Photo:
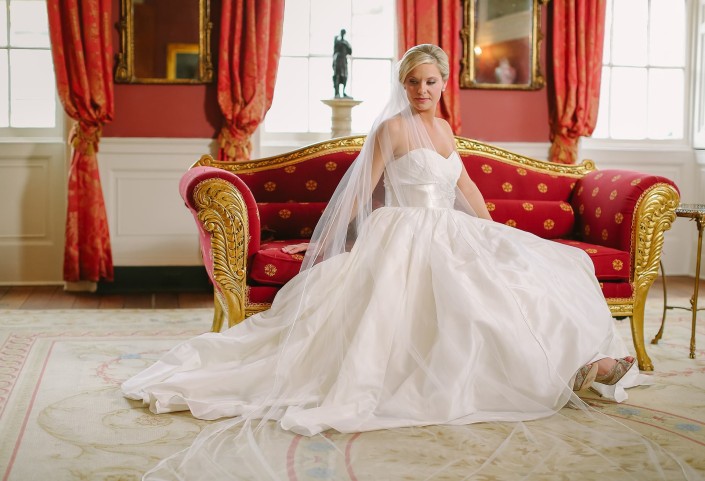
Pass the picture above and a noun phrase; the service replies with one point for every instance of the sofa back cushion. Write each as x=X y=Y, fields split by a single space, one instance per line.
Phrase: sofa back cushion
x=292 y=197
x=289 y=220
x=314 y=180
x=549 y=219
x=499 y=180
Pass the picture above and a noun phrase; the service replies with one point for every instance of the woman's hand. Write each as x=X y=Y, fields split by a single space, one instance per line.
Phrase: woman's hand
x=295 y=248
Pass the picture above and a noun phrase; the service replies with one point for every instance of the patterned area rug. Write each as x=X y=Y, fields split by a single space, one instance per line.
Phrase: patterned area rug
x=62 y=416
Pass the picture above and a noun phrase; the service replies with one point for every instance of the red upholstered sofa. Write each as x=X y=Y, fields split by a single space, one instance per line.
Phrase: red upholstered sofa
x=247 y=211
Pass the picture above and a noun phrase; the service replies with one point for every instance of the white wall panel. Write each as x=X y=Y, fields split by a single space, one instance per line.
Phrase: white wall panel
x=535 y=150
x=149 y=225
x=32 y=213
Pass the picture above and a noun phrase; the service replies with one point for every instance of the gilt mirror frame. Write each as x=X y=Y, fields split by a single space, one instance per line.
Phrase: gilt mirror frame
x=125 y=59
x=471 y=77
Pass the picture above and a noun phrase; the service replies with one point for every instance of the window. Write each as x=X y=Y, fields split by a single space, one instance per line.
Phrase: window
x=643 y=88
x=28 y=102
x=305 y=75
x=699 y=109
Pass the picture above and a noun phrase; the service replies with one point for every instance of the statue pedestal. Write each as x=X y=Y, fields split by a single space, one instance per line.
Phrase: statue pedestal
x=341 y=119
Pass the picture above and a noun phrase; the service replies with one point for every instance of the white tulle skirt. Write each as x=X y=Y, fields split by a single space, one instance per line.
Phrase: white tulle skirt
x=434 y=317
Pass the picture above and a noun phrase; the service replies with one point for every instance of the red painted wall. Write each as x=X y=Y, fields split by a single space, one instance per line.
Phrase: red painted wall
x=143 y=110
x=508 y=115
x=192 y=110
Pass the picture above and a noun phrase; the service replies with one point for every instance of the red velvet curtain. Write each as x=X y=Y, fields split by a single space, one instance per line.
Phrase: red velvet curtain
x=250 y=43
x=436 y=22
x=578 y=33
x=80 y=32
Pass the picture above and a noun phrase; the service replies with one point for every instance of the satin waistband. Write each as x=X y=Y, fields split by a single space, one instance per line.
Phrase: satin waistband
x=421 y=195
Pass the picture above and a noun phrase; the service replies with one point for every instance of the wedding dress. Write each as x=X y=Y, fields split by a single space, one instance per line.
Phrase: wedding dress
x=455 y=320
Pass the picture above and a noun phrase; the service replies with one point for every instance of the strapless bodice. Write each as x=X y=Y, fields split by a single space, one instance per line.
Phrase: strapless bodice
x=422 y=178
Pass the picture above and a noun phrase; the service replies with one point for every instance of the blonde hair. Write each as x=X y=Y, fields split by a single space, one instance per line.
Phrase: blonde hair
x=421 y=54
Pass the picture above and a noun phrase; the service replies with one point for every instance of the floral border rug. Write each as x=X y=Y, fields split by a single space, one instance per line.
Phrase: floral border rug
x=62 y=416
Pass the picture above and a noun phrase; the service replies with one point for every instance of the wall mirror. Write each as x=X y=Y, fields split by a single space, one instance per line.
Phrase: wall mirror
x=164 y=42
x=501 y=44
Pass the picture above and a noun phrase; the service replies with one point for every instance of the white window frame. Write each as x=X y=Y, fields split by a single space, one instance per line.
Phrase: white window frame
x=682 y=144
x=270 y=143
x=30 y=134
x=698 y=62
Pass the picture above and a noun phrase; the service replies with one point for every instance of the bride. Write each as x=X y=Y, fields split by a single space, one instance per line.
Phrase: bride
x=420 y=312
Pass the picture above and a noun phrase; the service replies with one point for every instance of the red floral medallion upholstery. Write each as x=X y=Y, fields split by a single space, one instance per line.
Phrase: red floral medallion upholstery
x=310 y=181
x=548 y=219
x=610 y=264
x=605 y=202
x=289 y=220
x=499 y=180
x=271 y=266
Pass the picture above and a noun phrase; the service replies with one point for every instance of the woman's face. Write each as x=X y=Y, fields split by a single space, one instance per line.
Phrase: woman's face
x=423 y=86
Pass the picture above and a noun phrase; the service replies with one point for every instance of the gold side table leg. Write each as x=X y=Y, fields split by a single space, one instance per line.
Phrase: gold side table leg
x=657 y=338
x=694 y=300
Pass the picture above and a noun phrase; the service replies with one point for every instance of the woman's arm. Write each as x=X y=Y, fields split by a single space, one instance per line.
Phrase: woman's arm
x=466 y=185
x=473 y=195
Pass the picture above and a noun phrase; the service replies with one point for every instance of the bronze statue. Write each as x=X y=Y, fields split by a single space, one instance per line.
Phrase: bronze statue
x=341 y=50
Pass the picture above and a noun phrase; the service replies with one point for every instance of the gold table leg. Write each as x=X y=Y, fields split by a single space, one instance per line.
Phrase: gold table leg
x=657 y=338
x=694 y=300
x=700 y=223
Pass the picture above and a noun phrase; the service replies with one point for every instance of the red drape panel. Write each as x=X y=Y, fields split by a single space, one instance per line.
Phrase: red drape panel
x=80 y=32
x=578 y=33
x=436 y=22
x=250 y=43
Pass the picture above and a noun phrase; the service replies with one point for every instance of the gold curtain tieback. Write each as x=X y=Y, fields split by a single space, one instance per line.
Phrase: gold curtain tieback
x=85 y=138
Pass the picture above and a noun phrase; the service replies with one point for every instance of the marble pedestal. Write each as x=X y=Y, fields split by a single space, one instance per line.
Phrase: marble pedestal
x=341 y=118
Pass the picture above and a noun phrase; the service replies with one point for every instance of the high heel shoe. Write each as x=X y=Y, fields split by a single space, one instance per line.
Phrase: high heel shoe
x=585 y=377
x=616 y=373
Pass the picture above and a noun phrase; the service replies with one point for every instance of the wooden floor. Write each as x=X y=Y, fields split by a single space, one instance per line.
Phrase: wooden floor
x=54 y=297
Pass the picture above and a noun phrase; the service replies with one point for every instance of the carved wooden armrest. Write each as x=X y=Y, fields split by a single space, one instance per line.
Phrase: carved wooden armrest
x=629 y=211
x=228 y=221
x=654 y=215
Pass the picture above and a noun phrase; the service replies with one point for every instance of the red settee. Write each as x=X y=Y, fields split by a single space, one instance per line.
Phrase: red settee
x=247 y=211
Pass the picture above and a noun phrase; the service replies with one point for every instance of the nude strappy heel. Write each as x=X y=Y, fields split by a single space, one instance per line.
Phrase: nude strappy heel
x=616 y=373
x=585 y=376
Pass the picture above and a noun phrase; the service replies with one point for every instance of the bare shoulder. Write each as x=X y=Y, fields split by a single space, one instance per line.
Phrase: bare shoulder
x=446 y=127
x=391 y=131
x=392 y=126
x=447 y=132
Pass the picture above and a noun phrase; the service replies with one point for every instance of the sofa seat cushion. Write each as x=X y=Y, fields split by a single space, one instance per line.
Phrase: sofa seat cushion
x=270 y=266
x=549 y=219
x=261 y=294
x=610 y=264
x=619 y=290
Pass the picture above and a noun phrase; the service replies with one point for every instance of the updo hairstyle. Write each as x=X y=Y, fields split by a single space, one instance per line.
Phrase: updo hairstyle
x=421 y=54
